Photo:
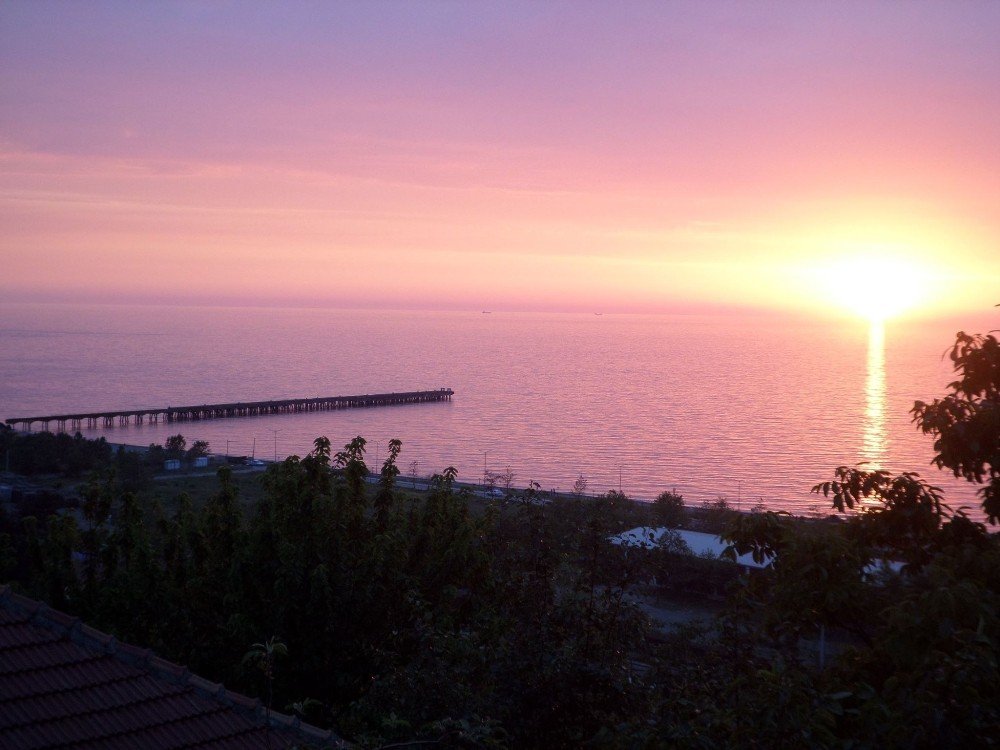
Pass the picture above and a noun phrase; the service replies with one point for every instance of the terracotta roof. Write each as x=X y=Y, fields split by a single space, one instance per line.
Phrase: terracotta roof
x=64 y=684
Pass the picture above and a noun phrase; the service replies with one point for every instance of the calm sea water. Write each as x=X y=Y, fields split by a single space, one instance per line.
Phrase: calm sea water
x=749 y=408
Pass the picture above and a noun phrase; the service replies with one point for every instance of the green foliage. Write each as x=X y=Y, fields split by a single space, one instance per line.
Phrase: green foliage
x=263 y=657
x=175 y=446
x=198 y=449
x=133 y=470
x=714 y=516
x=903 y=514
x=405 y=618
x=668 y=509
x=47 y=453
x=965 y=423
x=815 y=576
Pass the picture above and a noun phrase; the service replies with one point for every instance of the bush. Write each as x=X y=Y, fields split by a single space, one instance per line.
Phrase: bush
x=668 y=509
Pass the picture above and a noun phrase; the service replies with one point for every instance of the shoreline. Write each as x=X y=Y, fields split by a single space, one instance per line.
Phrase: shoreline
x=479 y=490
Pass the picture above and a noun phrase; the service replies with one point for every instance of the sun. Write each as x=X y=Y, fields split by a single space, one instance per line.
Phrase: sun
x=875 y=287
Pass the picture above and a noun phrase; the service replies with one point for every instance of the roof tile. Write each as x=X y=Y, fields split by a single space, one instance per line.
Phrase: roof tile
x=65 y=684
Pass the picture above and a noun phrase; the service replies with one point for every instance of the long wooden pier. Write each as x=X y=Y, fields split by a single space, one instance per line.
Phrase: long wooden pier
x=240 y=409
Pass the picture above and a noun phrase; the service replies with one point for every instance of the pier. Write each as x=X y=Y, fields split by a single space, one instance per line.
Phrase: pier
x=224 y=411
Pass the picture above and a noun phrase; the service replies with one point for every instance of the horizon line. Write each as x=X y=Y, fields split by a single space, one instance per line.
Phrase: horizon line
x=696 y=309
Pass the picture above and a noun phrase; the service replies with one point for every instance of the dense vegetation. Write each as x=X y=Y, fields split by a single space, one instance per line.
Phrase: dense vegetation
x=48 y=453
x=73 y=456
x=397 y=616
x=396 y=612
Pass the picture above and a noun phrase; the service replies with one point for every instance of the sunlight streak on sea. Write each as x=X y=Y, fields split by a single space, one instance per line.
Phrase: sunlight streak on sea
x=875 y=445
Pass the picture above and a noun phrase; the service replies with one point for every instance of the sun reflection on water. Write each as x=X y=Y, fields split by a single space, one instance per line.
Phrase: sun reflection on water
x=874 y=444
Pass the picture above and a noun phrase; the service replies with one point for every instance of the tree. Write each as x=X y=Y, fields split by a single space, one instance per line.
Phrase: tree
x=264 y=657
x=45 y=453
x=716 y=514
x=818 y=573
x=531 y=494
x=198 y=449
x=351 y=462
x=98 y=498
x=904 y=514
x=580 y=486
x=669 y=509
x=506 y=478
x=966 y=422
x=384 y=497
x=133 y=469
x=175 y=445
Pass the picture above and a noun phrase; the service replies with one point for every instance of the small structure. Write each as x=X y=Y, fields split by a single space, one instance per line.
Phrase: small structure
x=172 y=464
x=711 y=545
x=698 y=542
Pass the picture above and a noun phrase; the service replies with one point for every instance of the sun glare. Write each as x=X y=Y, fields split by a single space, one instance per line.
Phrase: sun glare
x=876 y=288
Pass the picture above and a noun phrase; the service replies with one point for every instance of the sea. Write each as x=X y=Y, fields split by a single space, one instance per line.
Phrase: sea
x=755 y=408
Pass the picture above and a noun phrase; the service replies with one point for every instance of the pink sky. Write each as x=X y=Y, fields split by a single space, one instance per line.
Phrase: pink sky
x=553 y=156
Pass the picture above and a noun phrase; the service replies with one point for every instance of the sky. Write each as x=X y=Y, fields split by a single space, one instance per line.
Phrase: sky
x=577 y=156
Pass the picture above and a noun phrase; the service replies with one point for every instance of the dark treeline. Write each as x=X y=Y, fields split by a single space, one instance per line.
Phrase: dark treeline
x=31 y=454
x=74 y=456
x=401 y=616
x=397 y=617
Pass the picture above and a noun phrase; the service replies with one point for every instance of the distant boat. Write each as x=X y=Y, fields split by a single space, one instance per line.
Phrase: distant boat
x=598 y=313
x=487 y=312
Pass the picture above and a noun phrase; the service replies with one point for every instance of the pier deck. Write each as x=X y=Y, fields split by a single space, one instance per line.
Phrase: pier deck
x=239 y=409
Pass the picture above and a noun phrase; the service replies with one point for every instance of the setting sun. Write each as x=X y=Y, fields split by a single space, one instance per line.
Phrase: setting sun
x=876 y=288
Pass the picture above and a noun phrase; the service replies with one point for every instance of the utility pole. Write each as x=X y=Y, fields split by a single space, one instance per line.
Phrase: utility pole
x=275 y=444
x=484 y=468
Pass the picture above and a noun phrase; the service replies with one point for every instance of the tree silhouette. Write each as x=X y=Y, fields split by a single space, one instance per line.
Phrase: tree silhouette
x=263 y=656
x=966 y=422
